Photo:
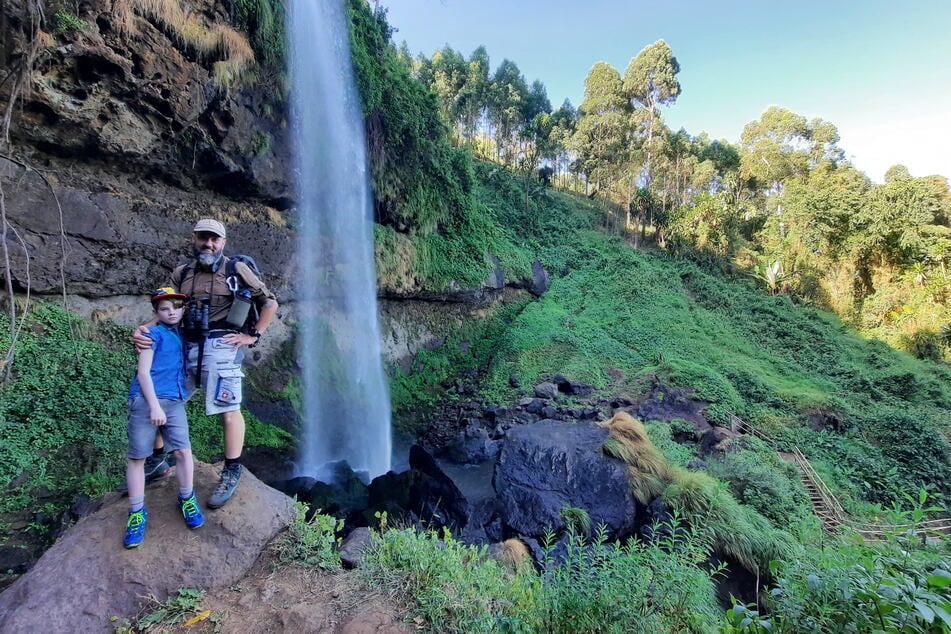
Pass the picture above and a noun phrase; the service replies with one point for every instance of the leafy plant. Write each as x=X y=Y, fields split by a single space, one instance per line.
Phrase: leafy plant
x=156 y=615
x=64 y=22
x=311 y=540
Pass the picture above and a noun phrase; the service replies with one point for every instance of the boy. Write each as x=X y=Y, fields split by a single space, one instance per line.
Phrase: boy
x=157 y=402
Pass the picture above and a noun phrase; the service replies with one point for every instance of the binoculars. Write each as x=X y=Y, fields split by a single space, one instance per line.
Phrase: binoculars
x=196 y=318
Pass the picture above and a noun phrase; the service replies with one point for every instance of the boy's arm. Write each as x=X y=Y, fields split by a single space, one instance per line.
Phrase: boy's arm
x=156 y=414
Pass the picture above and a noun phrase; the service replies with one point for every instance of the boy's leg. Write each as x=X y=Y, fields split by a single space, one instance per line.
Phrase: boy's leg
x=141 y=440
x=135 y=482
x=187 y=500
x=185 y=470
x=138 y=515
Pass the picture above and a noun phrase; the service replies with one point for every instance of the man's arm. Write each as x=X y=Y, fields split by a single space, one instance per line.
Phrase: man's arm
x=141 y=338
x=267 y=312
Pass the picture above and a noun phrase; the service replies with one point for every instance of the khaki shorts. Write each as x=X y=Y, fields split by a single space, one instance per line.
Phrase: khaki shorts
x=220 y=374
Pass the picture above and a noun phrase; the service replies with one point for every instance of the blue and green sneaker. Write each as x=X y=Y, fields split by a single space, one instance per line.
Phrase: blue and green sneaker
x=190 y=511
x=135 y=528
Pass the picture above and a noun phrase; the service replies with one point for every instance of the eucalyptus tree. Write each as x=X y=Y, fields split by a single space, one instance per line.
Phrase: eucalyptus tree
x=508 y=93
x=564 y=122
x=449 y=71
x=782 y=145
x=473 y=99
x=650 y=81
x=600 y=138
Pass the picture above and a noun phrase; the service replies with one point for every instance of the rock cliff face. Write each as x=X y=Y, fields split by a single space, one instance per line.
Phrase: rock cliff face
x=130 y=138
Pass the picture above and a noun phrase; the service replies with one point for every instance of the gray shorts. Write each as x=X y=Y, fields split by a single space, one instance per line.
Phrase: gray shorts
x=142 y=431
x=220 y=375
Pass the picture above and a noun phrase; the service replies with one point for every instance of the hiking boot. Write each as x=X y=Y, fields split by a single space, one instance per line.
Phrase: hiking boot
x=230 y=476
x=156 y=468
x=135 y=528
x=190 y=511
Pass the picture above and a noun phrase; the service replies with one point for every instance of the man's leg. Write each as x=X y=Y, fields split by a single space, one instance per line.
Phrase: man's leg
x=233 y=423
x=156 y=465
x=233 y=429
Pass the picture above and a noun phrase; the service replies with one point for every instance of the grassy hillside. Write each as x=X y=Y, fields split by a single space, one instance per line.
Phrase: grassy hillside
x=616 y=317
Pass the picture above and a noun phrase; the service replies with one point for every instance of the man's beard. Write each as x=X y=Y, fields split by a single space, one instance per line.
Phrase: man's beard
x=208 y=258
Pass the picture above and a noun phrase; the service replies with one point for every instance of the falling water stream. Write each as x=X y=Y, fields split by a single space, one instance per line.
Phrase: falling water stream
x=346 y=407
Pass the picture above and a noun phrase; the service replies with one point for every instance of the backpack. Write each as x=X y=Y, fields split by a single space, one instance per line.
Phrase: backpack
x=236 y=284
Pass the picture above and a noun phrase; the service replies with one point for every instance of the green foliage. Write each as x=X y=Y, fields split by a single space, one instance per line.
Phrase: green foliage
x=764 y=481
x=311 y=540
x=451 y=585
x=636 y=587
x=62 y=415
x=597 y=587
x=64 y=22
x=263 y=21
x=178 y=608
x=863 y=589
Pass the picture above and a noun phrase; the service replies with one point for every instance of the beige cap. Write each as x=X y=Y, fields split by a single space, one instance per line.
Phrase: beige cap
x=212 y=226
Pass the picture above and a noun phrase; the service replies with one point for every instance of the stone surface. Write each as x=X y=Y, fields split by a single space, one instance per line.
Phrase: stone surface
x=353 y=547
x=88 y=577
x=550 y=465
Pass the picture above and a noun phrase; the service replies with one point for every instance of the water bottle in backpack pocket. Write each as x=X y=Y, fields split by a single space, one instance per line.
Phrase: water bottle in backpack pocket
x=240 y=309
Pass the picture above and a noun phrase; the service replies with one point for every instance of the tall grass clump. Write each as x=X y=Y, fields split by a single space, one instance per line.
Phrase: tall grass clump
x=227 y=50
x=592 y=587
x=735 y=530
x=647 y=468
x=635 y=587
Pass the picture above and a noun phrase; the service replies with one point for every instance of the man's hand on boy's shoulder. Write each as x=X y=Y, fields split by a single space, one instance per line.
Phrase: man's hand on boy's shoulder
x=141 y=339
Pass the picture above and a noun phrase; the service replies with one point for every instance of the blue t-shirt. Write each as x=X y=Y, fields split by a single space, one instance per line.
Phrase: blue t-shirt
x=168 y=364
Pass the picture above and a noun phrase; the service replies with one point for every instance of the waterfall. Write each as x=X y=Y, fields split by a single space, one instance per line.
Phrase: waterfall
x=346 y=406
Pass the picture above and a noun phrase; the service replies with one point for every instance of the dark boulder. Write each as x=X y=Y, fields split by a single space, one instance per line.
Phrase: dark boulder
x=540 y=279
x=473 y=445
x=550 y=465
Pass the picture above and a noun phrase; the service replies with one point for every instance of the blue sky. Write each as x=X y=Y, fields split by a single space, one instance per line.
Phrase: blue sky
x=880 y=71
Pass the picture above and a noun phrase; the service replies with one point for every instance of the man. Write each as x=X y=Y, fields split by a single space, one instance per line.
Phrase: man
x=216 y=344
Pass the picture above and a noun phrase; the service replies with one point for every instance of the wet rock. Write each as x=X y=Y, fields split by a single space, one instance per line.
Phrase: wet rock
x=540 y=279
x=514 y=381
x=532 y=405
x=572 y=388
x=473 y=445
x=717 y=441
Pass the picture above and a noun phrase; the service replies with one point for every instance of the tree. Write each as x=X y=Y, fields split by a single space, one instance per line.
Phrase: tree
x=508 y=93
x=601 y=134
x=650 y=81
x=473 y=99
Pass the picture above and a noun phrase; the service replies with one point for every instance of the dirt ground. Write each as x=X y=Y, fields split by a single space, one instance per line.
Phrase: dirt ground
x=291 y=598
